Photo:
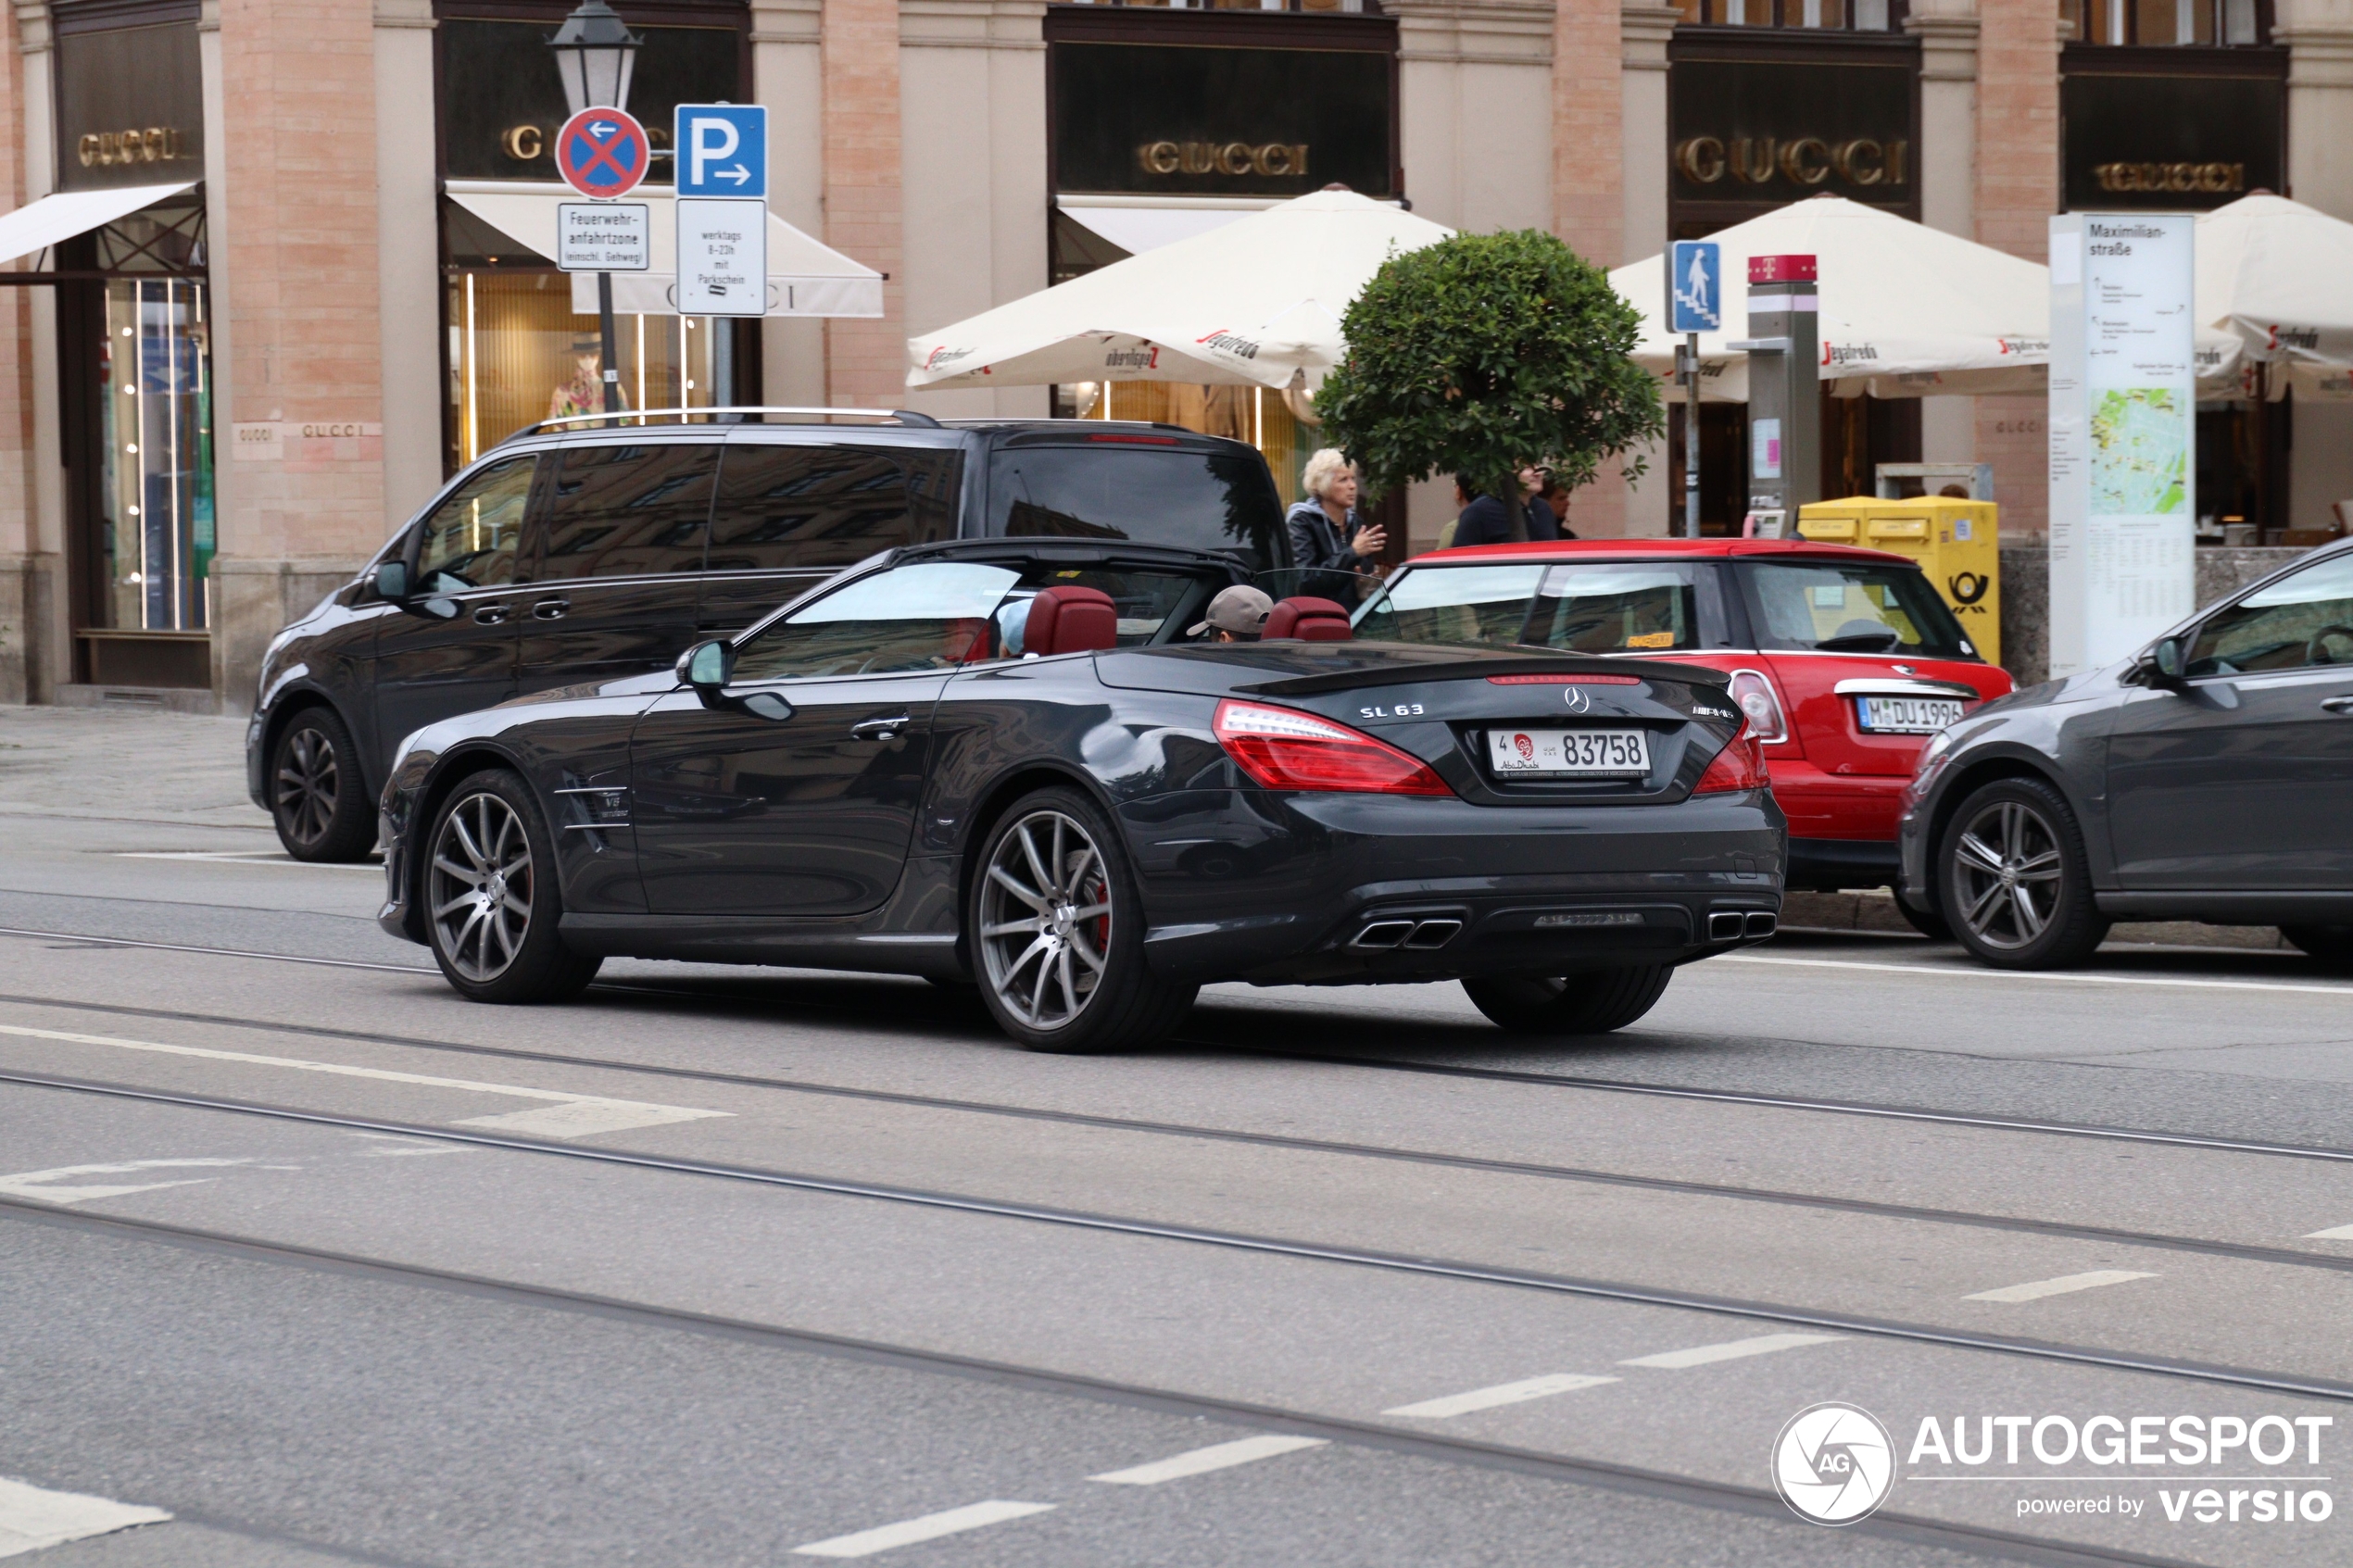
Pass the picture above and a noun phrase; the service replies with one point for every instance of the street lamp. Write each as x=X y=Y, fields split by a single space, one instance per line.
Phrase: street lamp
x=594 y=55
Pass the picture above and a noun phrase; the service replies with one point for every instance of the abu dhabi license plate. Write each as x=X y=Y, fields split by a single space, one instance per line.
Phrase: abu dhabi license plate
x=1563 y=754
x=1907 y=715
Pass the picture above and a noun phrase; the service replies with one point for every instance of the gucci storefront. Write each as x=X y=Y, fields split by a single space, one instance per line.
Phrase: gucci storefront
x=1761 y=117
x=1164 y=124
x=135 y=349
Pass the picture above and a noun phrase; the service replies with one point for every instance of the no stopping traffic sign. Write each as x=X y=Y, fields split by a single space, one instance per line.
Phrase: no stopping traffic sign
x=602 y=153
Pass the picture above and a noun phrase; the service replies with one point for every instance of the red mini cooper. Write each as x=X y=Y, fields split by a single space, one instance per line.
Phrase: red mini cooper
x=1845 y=661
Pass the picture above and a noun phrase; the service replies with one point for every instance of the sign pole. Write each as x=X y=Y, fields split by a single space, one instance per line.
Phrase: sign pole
x=1691 y=435
x=607 y=352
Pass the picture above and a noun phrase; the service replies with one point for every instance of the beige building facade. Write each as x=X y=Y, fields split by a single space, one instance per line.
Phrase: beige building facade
x=219 y=399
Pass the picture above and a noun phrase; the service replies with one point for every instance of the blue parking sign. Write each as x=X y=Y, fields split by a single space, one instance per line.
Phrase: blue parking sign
x=1696 y=287
x=722 y=150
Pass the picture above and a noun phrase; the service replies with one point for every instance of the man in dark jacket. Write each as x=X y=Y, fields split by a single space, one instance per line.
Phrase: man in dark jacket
x=1484 y=520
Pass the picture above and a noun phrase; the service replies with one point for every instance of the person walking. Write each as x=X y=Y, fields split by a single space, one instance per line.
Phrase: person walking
x=1325 y=533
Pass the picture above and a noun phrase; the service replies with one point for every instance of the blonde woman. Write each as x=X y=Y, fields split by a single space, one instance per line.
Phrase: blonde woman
x=1325 y=530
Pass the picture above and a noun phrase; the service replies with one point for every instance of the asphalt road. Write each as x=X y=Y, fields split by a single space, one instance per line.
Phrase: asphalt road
x=736 y=1267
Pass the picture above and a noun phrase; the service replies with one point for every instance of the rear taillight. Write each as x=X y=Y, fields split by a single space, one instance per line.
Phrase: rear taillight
x=1753 y=694
x=1740 y=765
x=1284 y=748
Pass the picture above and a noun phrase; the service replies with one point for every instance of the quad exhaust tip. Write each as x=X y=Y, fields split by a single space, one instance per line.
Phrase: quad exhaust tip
x=1419 y=935
x=1732 y=926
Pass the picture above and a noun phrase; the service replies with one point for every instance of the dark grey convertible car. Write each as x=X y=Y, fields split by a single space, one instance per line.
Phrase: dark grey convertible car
x=1008 y=762
x=2209 y=778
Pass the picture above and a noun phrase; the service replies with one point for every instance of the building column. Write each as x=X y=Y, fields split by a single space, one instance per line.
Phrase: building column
x=408 y=194
x=292 y=201
x=1644 y=32
x=865 y=212
x=2015 y=191
x=788 y=75
x=1947 y=160
x=1589 y=166
x=2319 y=36
x=32 y=635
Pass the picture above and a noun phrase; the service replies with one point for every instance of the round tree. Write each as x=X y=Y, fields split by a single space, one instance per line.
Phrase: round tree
x=1484 y=353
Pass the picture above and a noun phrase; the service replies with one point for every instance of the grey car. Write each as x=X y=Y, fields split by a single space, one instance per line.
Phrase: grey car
x=2210 y=777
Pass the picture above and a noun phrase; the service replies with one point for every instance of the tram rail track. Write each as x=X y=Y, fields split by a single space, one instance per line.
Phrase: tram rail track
x=1752 y=1502
x=1891 y=1111
x=1405 y=1263
x=2016 y=1224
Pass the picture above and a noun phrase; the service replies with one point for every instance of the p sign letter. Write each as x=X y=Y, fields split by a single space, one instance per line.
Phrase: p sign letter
x=722 y=150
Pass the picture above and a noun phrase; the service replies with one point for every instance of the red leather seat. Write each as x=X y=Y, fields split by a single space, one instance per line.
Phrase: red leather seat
x=1310 y=621
x=1070 y=620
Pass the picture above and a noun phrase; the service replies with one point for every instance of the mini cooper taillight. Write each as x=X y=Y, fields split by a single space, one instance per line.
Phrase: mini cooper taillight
x=1752 y=692
x=1283 y=748
x=1740 y=765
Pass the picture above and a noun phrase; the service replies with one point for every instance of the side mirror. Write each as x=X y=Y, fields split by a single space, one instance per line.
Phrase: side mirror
x=391 y=581
x=707 y=667
x=2168 y=663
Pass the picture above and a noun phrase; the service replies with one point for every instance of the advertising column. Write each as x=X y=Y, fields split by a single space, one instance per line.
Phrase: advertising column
x=2122 y=429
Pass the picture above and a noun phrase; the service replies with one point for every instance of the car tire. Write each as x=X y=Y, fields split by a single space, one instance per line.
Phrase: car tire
x=1928 y=923
x=1593 y=1003
x=2330 y=944
x=1056 y=924
x=490 y=900
x=318 y=798
x=2040 y=915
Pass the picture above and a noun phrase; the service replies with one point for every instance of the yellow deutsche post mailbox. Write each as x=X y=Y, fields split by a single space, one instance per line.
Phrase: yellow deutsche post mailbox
x=1956 y=542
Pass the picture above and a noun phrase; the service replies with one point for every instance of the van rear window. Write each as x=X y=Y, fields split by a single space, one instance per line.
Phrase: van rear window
x=1148 y=494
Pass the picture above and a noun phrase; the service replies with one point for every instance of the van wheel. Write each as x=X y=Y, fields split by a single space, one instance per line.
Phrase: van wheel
x=1593 y=1003
x=2016 y=884
x=1057 y=927
x=492 y=903
x=318 y=800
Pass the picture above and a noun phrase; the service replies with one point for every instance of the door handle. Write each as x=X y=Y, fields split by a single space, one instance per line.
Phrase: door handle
x=879 y=729
x=550 y=609
x=493 y=615
x=2337 y=704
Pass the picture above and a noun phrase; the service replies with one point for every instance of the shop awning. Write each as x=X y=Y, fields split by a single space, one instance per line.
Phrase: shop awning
x=1256 y=301
x=805 y=277
x=38 y=225
x=2275 y=281
x=1137 y=229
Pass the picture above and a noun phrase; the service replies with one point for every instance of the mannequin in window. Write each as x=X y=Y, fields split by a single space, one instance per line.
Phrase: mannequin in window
x=584 y=392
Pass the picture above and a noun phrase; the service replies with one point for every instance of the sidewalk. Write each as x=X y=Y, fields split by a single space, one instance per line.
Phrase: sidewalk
x=137 y=765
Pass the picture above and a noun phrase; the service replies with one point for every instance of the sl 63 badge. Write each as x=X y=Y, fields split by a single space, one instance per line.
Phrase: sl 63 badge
x=1402 y=711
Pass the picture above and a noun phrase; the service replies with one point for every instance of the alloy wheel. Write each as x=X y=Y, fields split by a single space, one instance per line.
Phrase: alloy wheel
x=2008 y=870
x=307 y=779
x=1045 y=920
x=480 y=890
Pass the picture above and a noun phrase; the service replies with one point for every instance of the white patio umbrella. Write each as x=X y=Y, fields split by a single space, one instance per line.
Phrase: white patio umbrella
x=1906 y=310
x=1256 y=301
x=2275 y=278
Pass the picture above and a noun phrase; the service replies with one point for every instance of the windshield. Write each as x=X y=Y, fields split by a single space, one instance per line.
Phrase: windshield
x=1151 y=495
x=1597 y=607
x=1838 y=607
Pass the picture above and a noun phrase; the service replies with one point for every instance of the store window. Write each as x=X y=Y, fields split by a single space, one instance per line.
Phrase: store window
x=155 y=523
x=1842 y=15
x=2166 y=22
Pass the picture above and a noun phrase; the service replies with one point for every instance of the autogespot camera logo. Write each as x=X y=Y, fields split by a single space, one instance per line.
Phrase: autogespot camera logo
x=1833 y=1463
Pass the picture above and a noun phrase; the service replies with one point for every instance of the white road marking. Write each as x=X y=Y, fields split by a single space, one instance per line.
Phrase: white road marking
x=52 y=1186
x=250 y=858
x=1200 y=1462
x=1730 y=1350
x=580 y=1116
x=1501 y=1394
x=2059 y=976
x=2034 y=1290
x=931 y=1527
x=2334 y=1232
x=33 y=1517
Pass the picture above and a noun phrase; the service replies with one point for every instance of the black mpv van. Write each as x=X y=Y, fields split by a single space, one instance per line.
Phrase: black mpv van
x=585 y=554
